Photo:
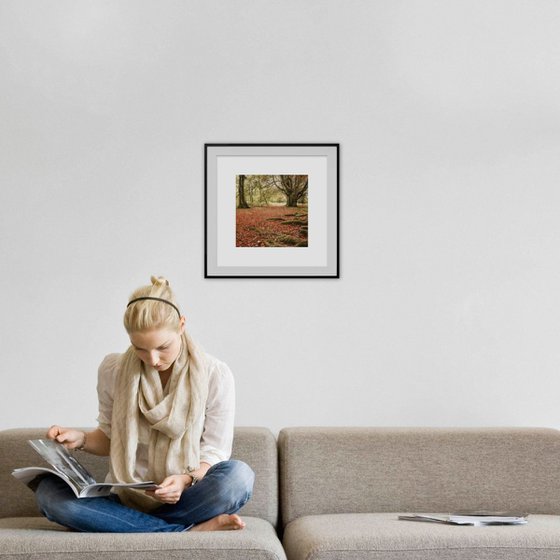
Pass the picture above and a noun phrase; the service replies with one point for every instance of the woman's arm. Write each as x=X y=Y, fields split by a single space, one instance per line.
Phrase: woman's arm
x=217 y=436
x=95 y=442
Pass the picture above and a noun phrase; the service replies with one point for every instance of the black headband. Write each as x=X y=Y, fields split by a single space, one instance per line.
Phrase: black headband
x=155 y=299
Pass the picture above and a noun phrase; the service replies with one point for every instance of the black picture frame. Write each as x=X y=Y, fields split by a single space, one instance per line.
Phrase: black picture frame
x=316 y=255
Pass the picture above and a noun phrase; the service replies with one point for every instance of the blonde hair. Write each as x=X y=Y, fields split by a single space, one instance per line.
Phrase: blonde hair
x=145 y=315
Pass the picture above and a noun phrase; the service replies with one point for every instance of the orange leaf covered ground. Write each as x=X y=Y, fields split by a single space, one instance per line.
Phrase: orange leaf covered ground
x=271 y=226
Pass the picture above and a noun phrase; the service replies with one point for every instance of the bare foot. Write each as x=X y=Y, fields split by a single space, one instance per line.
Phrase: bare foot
x=222 y=522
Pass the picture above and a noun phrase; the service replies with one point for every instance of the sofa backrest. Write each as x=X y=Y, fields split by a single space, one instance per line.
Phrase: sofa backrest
x=256 y=446
x=360 y=470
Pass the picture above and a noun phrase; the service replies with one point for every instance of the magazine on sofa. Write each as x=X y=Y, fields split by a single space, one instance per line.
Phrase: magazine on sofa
x=476 y=518
x=68 y=468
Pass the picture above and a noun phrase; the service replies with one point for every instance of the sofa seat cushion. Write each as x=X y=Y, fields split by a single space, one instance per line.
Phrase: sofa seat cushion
x=382 y=536
x=35 y=538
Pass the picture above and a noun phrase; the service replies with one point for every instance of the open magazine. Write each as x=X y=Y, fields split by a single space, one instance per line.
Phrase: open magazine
x=68 y=468
x=477 y=519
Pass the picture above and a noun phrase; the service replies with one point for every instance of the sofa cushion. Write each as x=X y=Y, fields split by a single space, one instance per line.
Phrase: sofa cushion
x=38 y=539
x=361 y=470
x=382 y=536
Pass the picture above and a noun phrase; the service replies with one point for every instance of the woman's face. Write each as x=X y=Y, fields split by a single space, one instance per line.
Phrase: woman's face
x=158 y=348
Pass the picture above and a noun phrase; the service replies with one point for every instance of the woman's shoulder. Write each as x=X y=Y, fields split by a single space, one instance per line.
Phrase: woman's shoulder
x=110 y=361
x=220 y=377
x=216 y=366
x=109 y=366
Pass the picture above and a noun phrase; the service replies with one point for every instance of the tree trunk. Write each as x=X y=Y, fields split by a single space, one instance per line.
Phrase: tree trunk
x=242 y=201
x=292 y=199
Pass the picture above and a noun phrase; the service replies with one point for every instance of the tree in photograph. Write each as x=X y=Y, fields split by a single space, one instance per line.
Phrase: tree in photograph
x=294 y=187
x=241 y=202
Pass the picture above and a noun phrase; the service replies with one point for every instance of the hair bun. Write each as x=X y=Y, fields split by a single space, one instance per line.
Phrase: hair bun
x=159 y=281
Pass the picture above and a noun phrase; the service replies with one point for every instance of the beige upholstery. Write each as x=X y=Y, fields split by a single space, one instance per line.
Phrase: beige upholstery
x=341 y=492
x=27 y=536
x=342 y=489
x=355 y=470
x=370 y=536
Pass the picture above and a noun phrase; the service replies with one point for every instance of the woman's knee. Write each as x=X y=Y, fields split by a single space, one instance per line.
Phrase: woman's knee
x=238 y=479
x=235 y=470
x=243 y=475
x=54 y=498
x=46 y=490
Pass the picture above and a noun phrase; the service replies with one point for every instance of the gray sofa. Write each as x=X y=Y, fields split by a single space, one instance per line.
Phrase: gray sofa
x=342 y=489
x=25 y=535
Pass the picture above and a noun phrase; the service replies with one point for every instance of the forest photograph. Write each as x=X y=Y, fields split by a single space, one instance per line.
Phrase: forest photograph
x=272 y=210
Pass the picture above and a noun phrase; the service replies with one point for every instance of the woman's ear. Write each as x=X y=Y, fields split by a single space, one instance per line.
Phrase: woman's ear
x=182 y=322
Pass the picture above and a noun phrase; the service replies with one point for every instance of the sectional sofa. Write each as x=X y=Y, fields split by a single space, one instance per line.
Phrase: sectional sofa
x=335 y=493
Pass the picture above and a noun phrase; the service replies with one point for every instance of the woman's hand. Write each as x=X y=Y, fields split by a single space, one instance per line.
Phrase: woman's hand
x=170 y=490
x=70 y=438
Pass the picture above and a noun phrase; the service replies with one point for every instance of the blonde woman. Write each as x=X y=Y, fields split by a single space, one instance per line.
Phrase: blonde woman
x=166 y=414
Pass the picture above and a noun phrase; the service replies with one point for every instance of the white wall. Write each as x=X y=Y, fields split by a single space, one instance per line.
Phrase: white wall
x=448 y=116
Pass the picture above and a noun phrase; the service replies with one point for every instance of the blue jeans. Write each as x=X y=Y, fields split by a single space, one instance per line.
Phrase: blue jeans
x=226 y=487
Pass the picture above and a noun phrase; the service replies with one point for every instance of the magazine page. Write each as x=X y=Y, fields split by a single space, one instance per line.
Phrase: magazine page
x=476 y=519
x=498 y=518
x=104 y=488
x=28 y=474
x=63 y=462
x=69 y=469
x=428 y=518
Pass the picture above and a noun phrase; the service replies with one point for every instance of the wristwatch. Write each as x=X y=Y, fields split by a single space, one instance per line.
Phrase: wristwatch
x=195 y=479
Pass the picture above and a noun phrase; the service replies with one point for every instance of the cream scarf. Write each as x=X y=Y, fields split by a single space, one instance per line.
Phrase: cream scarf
x=174 y=420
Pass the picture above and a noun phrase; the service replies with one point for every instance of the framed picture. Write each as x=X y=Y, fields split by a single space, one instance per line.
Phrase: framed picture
x=271 y=210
